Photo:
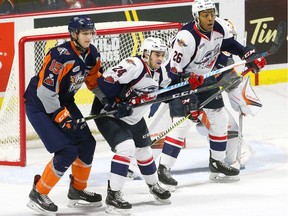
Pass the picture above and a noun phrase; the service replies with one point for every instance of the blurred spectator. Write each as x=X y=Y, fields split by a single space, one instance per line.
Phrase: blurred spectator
x=34 y=6
x=6 y=7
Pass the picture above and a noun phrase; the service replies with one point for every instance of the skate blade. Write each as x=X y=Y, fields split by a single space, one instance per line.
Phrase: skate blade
x=83 y=204
x=116 y=211
x=170 y=188
x=34 y=206
x=221 y=178
x=162 y=201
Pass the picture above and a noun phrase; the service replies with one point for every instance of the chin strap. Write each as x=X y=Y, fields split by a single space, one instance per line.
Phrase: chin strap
x=79 y=47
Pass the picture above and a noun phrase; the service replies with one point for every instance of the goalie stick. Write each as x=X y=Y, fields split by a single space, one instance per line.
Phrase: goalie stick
x=276 y=44
x=208 y=100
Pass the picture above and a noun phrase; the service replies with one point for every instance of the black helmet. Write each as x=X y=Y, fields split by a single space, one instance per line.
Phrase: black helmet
x=78 y=23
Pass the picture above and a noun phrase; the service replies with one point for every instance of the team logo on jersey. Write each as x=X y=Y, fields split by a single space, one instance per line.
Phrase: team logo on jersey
x=209 y=58
x=49 y=80
x=63 y=51
x=181 y=43
x=147 y=89
x=76 y=82
x=76 y=69
x=109 y=79
x=130 y=61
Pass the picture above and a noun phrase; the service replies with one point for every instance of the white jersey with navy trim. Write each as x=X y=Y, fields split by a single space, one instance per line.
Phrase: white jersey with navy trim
x=133 y=71
x=194 y=52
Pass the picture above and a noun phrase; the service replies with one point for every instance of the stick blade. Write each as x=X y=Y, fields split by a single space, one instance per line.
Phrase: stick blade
x=280 y=37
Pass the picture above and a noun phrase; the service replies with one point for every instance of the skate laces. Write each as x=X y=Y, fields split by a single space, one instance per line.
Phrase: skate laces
x=89 y=193
x=46 y=199
x=167 y=172
x=157 y=188
x=118 y=196
x=223 y=164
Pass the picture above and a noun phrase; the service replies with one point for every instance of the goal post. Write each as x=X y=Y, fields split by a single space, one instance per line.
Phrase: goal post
x=114 y=40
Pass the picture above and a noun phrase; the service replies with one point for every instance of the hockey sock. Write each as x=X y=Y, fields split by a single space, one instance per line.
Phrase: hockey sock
x=80 y=172
x=119 y=171
x=49 y=179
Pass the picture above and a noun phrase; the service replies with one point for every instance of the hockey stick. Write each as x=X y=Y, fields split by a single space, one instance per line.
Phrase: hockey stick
x=276 y=44
x=157 y=100
x=273 y=49
x=208 y=100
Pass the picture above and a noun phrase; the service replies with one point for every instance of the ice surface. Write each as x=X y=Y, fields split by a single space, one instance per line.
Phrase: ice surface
x=262 y=190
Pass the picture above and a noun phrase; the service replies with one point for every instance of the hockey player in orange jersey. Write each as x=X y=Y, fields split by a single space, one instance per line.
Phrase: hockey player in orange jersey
x=51 y=109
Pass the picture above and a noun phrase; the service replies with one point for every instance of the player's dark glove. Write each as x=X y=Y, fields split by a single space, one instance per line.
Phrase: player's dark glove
x=63 y=118
x=191 y=107
x=122 y=109
x=257 y=64
x=195 y=80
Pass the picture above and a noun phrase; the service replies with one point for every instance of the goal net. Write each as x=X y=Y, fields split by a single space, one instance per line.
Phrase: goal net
x=114 y=40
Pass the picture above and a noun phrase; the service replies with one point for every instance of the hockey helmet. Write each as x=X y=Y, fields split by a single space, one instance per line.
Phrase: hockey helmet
x=78 y=23
x=202 y=5
x=153 y=44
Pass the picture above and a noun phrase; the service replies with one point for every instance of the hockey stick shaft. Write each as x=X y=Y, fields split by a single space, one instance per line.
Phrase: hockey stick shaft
x=157 y=100
x=180 y=121
x=276 y=44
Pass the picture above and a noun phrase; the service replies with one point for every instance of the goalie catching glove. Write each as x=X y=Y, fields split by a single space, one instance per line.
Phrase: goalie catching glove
x=63 y=118
x=243 y=98
x=257 y=64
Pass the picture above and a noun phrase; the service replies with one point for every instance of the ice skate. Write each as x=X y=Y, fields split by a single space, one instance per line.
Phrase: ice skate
x=82 y=198
x=116 y=205
x=159 y=193
x=41 y=202
x=166 y=178
x=222 y=172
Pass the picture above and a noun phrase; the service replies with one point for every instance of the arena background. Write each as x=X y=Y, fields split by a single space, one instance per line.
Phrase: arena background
x=255 y=20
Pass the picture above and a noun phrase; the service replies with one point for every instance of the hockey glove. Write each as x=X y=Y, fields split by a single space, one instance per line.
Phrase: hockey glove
x=122 y=109
x=195 y=80
x=191 y=107
x=257 y=64
x=63 y=118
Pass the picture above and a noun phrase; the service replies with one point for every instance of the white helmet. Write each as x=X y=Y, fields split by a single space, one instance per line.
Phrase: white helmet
x=231 y=27
x=153 y=44
x=202 y=5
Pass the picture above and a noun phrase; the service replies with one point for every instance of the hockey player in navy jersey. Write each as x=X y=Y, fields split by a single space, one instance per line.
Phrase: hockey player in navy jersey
x=51 y=109
x=195 y=50
x=127 y=132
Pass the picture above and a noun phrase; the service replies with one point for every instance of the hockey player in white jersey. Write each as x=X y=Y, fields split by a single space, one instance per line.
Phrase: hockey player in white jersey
x=196 y=48
x=238 y=152
x=126 y=132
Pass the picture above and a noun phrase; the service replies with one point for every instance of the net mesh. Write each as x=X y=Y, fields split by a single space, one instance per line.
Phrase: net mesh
x=113 y=47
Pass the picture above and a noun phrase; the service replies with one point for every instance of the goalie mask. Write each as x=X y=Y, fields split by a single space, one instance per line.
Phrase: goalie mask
x=244 y=99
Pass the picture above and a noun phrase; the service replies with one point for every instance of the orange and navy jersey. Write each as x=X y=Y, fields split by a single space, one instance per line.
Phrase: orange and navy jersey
x=63 y=72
